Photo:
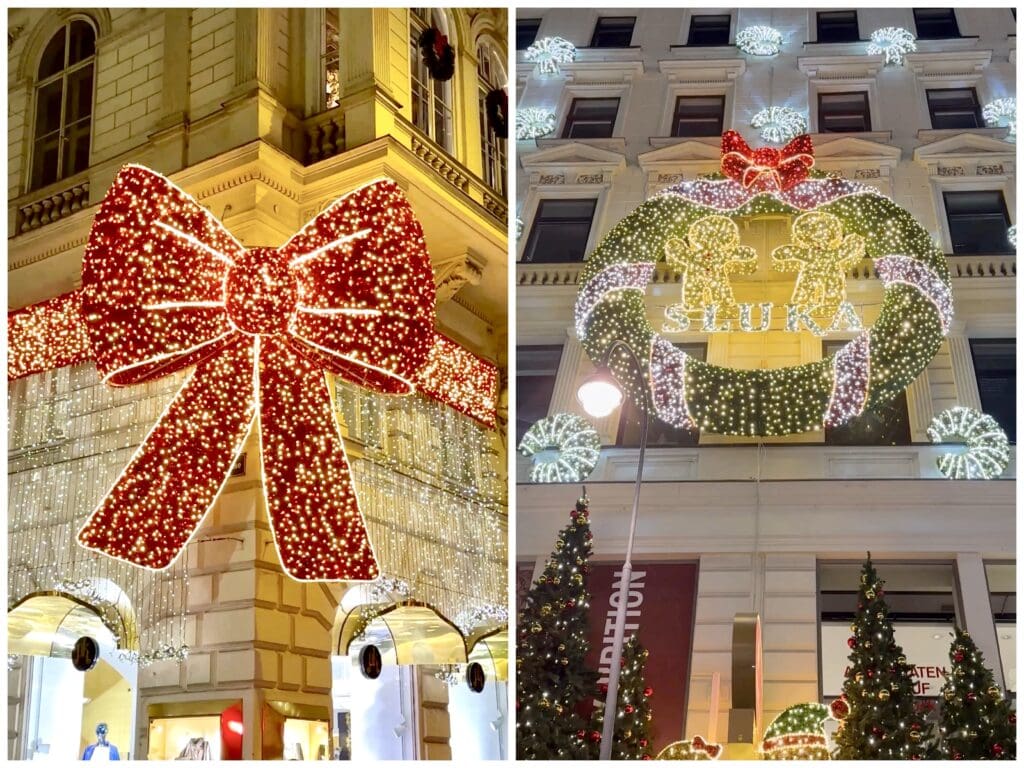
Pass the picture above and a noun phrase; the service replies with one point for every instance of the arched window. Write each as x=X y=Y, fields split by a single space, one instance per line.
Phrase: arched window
x=431 y=99
x=490 y=77
x=64 y=94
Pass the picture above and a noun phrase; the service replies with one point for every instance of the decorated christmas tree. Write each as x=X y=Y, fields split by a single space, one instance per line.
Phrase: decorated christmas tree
x=553 y=683
x=977 y=721
x=883 y=722
x=633 y=718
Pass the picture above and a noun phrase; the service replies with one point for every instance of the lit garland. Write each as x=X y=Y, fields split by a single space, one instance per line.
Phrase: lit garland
x=894 y=42
x=577 y=444
x=821 y=256
x=694 y=749
x=533 y=122
x=915 y=313
x=1003 y=114
x=709 y=253
x=487 y=614
x=798 y=733
x=455 y=376
x=779 y=124
x=987 y=449
x=549 y=52
x=759 y=40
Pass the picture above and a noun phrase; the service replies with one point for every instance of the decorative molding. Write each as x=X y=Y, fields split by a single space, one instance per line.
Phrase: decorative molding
x=453 y=272
x=702 y=71
x=245 y=177
x=25 y=261
x=602 y=72
x=441 y=164
x=551 y=178
x=995 y=169
x=947 y=64
x=841 y=67
x=951 y=170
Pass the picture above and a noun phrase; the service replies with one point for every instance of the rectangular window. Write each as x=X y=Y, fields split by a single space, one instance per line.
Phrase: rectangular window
x=838 y=27
x=954 y=108
x=888 y=424
x=935 y=23
x=560 y=231
x=526 y=33
x=659 y=434
x=709 y=29
x=613 y=32
x=995 y=369
x=591 y=119
x=977 y=222
x=920 y=597
x=843 y=112
x=699 y=116
x=536 y=371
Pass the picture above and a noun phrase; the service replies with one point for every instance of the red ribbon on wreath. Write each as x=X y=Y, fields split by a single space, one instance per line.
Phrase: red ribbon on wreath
x=166 y=287
x=711 y=750
x=766 y=168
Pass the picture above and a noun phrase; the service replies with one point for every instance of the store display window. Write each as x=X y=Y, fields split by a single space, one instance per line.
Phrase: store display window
x=294 y=731
x=198 y=730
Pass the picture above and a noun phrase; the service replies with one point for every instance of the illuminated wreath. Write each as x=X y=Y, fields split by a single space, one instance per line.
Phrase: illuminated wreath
x=438 y=55
x=577 y=444
x=988 y=450
x=798 y=733
x=867 y=372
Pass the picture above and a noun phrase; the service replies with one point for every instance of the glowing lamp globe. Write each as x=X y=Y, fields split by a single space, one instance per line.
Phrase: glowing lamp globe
x=599 y=394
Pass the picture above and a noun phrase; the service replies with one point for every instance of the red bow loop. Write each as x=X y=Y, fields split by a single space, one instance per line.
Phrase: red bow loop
x=766 y=168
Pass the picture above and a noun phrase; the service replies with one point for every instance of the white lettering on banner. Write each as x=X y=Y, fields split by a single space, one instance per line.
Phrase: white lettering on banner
x=634 y=599
x=798 y=319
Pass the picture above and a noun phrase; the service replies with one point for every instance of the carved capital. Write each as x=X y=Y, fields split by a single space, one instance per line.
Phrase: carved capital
x=451 y=273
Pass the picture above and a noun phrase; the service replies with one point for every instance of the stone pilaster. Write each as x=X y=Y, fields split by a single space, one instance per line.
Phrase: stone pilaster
x=963 y=371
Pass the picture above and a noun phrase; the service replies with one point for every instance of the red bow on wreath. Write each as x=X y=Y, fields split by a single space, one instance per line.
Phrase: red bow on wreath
x=166 y=286
x=766 y=168
x=711 y=750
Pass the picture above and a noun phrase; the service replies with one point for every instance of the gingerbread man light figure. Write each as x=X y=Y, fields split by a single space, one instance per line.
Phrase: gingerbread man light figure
x=821 y=256
x=709 y=253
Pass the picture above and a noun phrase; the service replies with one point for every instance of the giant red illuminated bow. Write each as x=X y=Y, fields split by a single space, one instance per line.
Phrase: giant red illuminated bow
x=766 y=168
x=165 y=287
x=711 y=750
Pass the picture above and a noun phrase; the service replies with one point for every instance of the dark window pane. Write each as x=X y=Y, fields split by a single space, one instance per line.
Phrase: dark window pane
x=995 y=368
x=45 y=160
x=954 y=108
x=935 y=23
x=913 y=591
x=79 y=95
x=977 y=222
x=843 y=113
x=536 y=371
x=699 y=116
x=659 y=434
x=837 y=27
x=52 y=61
x=613 y=32
x=712 y=29
x=591 y=119
x=48 y=100
x=888 y=424
x=526 y=33
x=83 y=42
x=560 y=231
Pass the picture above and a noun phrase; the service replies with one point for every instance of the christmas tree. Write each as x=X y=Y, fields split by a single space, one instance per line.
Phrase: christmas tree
x=633 y=719
x=552 y=681
x=977 y=721
x=883 y=722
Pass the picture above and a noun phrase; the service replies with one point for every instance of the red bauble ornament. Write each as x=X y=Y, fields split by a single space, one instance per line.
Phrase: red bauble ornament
x=648 y=691
x=628 y=709
x=876 y=730
x=581 y=735
x=972 y=696
x=595 y=736
x=839 y=708
x=603 y=687
x=852 y=642
x=997 y=749
x=1013 y=718
x=646 y=757
x=642 y=742
x=957 y=756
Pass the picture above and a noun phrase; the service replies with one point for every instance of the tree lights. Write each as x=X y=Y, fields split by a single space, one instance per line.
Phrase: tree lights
x=577 y=444
x=893 y=42
x=533 y=122
x=549 y=52
x=779 y=124
x=870 y=370
x=759 y=40
x=1003 y=114
x=987 y=448
x=798 y=733
x=694 y=749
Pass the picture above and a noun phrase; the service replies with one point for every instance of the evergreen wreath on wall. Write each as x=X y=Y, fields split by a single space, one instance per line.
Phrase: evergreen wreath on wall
x=438 y=55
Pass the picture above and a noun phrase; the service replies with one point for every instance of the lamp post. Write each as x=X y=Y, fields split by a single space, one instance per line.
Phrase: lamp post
x=600 y=395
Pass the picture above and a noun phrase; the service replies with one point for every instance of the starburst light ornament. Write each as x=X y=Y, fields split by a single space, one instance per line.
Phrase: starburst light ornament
x=779 y=124
x=759 y=40
x=1002 y=113
x=533 y=122
x=549 y=52
x=894 y=42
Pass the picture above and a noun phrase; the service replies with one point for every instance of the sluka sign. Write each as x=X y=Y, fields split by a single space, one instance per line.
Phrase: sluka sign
x=659 y=610
x=713 y=320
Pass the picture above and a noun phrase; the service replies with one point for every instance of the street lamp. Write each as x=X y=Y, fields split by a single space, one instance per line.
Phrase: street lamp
x=599 y=395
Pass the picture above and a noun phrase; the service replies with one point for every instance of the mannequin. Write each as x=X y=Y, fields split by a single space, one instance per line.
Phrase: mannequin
x=102 y=750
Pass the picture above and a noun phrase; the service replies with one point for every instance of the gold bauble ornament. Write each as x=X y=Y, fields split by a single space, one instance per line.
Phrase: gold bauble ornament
x=883 y=694
x=577 y=578
x=995 y=692
x=560 y=543
x=915 y=736
x=949 y=694
x=870 y=594
x=561 y=646
x=556 y=581
x=545 y=609
x=544 y=703
x=901 y=659
x=535 y=628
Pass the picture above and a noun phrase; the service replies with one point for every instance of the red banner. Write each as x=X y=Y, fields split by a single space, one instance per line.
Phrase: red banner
x=659 y=610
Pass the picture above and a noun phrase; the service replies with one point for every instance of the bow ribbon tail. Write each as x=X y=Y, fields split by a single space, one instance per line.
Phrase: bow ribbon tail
x=181 y=465
x=311 y=500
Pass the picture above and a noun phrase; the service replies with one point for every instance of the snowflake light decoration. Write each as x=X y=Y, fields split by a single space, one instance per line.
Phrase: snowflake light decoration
x=1002 y=113
x=779 y=124
x=894 y=42
x=1011 y=235
x=533 y=122
x=759 y=41
x=577 y=444
x=987 y=448
x=549 y=52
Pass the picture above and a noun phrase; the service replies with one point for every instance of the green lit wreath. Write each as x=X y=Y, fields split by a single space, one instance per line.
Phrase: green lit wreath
x=867 y=372
x=577 y=444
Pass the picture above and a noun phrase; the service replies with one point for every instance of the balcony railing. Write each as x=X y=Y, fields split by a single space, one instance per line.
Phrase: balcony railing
x=325 y=135
x=42 y=207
